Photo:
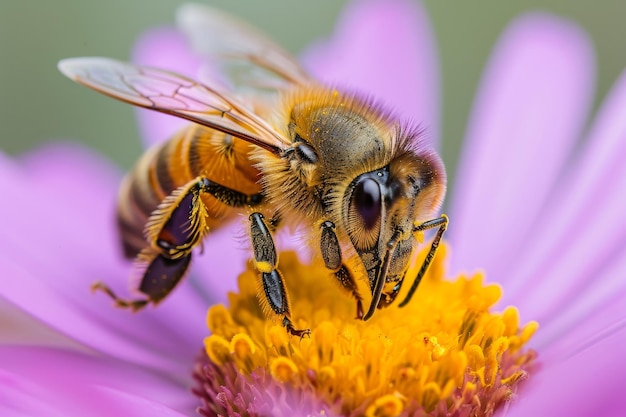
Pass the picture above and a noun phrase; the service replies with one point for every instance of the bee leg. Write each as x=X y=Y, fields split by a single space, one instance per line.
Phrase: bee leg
x=176 y=227
x=331 y=253
x=346 y=280
x=442 y=224
x=160 y=276
x=266 y=262
x=134 y=305
x=173 y=230
x=179 y=223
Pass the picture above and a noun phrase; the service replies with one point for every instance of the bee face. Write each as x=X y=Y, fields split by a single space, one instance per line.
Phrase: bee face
x=362 y=181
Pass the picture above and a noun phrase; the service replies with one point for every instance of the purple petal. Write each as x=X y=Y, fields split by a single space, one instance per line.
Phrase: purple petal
x=562 y=338
x=530 y=109
x=223 y=258
x=589 y=383
x=226 y=251
x=45 y=381
x=18 y=327
x=164 y=48
x=585 y=221
x=59 y=236
x=386 y=49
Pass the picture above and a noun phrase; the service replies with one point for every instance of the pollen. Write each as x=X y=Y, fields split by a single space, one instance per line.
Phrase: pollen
x=265 y=267
x=445 y=353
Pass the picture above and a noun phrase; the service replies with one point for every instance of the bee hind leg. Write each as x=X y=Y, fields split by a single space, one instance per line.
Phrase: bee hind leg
x=266 y=262
x=134 y=305
x=161 y=274
x=159 y=277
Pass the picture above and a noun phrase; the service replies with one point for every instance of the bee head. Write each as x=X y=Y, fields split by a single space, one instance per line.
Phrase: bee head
x=382 y=207
x=366 y=173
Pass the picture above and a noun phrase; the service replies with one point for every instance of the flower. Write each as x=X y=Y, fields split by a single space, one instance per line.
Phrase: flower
x=552 y=235
x=435 y=356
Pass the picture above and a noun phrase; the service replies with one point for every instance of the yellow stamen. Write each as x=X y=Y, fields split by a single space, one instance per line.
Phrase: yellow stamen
x=385 y=406
x=218 y=349
x=444 y=352
x=283 y=369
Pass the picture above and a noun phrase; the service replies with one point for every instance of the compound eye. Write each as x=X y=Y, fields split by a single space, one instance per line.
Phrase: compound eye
x=368 y=202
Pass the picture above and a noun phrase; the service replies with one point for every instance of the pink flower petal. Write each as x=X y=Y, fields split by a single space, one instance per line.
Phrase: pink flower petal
x=50 y=382
x=70 y=380
x=164 y=48
x=386 y=49
x=223 y=258
x=575 y=331
x=584 y=221
x=589 y=383
x=62 y=200
x=530 y=109
x=20 y=397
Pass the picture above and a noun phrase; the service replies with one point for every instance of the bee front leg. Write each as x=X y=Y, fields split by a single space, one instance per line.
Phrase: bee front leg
x=441 y=223
x=331 y=253
x=266 y=262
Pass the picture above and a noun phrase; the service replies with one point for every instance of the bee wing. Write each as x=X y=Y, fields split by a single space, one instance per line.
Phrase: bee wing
x=173 y=94
x=249 y=56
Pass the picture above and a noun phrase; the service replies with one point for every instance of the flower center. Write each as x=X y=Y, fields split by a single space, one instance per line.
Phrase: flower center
x=443 y=354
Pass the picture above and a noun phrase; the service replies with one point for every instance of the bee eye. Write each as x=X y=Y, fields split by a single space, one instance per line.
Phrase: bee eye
x=367 y=200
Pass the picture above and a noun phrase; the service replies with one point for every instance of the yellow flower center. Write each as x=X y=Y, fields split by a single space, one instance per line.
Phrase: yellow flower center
x=443 y=354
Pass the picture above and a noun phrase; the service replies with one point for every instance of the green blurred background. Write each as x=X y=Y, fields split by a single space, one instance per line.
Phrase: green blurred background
x=37 y=104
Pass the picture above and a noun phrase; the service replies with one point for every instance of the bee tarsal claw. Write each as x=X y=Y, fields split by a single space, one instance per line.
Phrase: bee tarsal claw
x=301 y=333
x=134 y=305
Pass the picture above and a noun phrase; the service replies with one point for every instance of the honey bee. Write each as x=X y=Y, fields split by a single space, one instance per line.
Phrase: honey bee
x=288 y=150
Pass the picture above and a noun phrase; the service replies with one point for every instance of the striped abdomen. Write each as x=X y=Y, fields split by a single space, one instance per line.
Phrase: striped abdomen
x=194 y=152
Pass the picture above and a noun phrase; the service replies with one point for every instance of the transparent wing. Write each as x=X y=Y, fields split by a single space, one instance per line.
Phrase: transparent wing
x=174 y=94
x=246 y=54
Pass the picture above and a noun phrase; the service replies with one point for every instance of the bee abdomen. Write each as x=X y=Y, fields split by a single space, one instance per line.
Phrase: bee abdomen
x=192 y=153
x=139 y=195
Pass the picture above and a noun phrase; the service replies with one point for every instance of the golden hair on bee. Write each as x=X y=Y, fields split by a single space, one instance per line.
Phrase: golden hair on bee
x=361 y=181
